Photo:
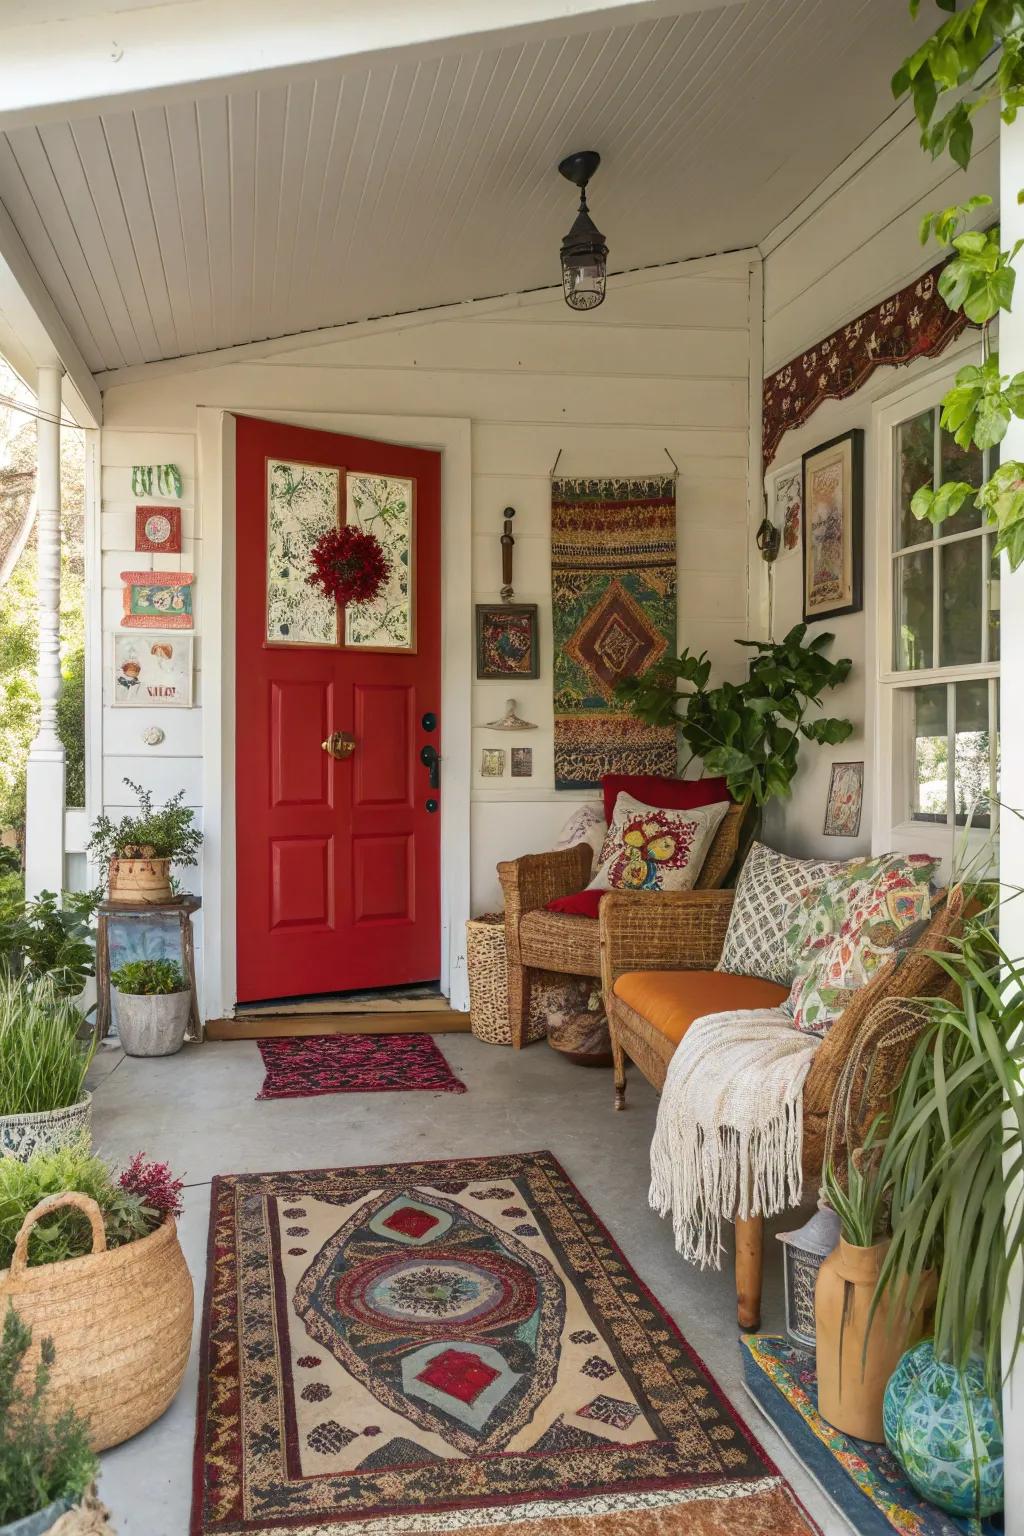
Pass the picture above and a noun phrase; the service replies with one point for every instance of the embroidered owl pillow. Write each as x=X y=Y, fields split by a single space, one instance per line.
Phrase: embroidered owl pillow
x=648 y=848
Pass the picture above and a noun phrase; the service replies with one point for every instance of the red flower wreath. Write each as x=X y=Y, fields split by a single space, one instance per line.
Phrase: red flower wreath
x=349 y=565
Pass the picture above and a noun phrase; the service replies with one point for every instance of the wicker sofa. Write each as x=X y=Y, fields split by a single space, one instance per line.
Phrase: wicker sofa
x=658 y=954
x=539 y=941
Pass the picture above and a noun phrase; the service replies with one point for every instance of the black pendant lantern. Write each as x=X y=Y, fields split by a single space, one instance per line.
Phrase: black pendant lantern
x=584 y=253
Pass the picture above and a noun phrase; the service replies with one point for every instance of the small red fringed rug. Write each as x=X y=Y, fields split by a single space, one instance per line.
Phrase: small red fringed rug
x=455 y=1348
x=303 y=1068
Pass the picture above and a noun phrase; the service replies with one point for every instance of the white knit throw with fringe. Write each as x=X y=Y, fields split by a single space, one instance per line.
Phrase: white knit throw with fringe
x=730 y=1126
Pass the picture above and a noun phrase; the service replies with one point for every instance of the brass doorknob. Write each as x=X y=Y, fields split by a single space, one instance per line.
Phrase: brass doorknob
x=339 y=744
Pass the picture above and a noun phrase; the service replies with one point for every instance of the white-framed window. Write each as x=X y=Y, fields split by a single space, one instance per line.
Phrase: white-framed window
x=937 y=636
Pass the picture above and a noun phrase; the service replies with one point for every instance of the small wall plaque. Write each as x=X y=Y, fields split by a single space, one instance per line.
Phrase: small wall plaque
x=157 y=599
x=522 y=762
x=158 y=530
x=492 y=763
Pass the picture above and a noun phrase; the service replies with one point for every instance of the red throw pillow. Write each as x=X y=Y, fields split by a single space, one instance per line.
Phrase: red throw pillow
x=665 y=794
x=580 y=903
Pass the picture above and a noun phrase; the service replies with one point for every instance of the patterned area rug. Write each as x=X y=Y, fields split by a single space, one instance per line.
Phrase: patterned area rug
x=864 y=1481
x=613 y=595
x=453 y=1346
x=304 y=1068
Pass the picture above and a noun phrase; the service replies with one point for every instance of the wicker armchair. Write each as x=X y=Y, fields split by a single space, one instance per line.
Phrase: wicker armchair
x=538 y=940
x=861 y=1060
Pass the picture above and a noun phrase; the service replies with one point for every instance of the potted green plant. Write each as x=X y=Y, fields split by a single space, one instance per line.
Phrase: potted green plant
x=151 y=1000
x=750 y=732
x=43 y=1063
x=46 y=1464
x=139 y=850
x=857 y=1346
x=91 y=1258
x=953 y=1155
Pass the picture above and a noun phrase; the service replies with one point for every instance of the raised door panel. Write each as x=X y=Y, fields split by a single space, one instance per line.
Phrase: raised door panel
x=301 y=882
x=383 y=879
x=384 y=725
x=300 y=714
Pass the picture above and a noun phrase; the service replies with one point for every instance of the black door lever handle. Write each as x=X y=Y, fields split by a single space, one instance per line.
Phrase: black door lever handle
x=430 y=758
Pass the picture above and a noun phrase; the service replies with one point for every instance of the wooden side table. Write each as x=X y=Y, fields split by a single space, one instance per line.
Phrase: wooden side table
x=183 y=909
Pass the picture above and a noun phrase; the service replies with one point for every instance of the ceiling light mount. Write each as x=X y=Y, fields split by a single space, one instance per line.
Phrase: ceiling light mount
x=584 y=252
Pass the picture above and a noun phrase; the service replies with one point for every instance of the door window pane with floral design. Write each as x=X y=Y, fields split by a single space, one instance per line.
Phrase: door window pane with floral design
x=385 y=506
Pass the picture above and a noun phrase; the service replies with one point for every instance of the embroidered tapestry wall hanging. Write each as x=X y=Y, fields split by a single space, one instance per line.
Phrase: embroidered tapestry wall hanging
x=613 y=599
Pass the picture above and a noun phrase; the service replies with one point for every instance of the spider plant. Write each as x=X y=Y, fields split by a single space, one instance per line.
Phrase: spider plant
x=954 y=1154
x=860 y=1202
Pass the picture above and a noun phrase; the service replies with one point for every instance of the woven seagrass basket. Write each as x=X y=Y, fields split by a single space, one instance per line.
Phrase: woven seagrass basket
x=120 y=1320
x=487 y=964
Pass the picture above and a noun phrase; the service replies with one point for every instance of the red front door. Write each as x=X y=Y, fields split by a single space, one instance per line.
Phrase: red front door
x=338 y=863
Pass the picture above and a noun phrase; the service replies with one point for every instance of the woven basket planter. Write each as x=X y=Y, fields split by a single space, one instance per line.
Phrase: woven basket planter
x=120 y=1320
x=45 y=1129
x=487 y=965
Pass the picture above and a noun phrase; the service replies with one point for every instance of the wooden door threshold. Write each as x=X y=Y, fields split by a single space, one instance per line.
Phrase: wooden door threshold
x=269 y=1026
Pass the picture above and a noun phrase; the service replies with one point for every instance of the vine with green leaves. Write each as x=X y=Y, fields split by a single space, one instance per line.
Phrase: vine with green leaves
x=984 y=38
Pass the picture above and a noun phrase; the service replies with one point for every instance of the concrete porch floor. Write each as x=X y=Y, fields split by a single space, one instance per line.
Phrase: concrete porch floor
x=197 y=1110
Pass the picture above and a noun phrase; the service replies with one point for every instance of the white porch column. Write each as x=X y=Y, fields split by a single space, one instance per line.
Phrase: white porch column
x=44 y=822
x=1011 y=705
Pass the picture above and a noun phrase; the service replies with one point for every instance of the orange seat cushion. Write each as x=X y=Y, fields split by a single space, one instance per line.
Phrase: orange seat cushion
x=671 y=1000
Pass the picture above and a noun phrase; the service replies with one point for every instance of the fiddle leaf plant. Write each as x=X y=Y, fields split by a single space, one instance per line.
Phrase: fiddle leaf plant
x=979 y=277
x=748 y=732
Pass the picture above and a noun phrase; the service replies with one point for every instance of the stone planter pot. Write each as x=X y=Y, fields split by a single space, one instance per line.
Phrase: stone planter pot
x=854 y=1361
x=45 y=1129
x=151 y=1026
x=140 y=881
x=38 y=1524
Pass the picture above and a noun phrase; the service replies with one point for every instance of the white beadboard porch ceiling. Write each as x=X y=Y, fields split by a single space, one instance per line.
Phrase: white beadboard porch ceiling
x=374 y=187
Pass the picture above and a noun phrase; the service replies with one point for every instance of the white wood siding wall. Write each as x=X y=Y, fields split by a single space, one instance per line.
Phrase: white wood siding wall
x=845 y=249
x=663 y=365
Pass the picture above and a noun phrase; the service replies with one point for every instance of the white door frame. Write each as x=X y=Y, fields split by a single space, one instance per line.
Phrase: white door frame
x=450 y=436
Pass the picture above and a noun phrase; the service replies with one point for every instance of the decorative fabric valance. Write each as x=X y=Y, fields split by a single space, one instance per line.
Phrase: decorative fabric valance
x=912 y=323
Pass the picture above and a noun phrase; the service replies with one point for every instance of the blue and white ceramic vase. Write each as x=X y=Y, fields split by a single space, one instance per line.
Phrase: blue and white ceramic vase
x=945 y=1432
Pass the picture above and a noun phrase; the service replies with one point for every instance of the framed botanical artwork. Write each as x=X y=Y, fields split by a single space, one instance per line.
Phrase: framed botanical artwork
x=158 y=530
x=785 y=505
x=833 y=523
x=303 y=502
x=492 y=763
x=845 y=800
x=506 y=640
x=157 y=599
x=385 y=506
x=153 y=671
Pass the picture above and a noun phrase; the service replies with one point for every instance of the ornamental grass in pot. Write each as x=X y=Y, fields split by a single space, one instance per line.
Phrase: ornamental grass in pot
x=92 y=1260
x=46 y=1463
x=859 y=1340
x=43 y=1063
x=139 y=850
x=152 y=999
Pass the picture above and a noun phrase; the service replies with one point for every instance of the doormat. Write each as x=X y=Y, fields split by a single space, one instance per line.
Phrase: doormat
x=453 y=1346
x=305 y=1067
x=613 y=615
x=864 y=1481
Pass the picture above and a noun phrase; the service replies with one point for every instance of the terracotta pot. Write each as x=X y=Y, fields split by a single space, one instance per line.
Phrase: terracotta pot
x=854 y=1362
x=140 y=880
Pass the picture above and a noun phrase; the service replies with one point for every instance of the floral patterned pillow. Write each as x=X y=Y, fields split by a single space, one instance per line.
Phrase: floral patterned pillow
x=652 y=849
x=585 y=825
x=848 y=929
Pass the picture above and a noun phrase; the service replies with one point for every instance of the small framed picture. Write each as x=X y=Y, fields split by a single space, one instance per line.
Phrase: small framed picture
x=157 y=599
x=833 y=522
x=506 y=640
x=153 y=671
x=158 y=530
x=785 y=505
x=492 y=763
x=522 y=762
x=845 y=800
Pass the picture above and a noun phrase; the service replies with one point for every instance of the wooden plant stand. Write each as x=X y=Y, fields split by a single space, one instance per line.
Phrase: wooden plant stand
x=183 y=908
